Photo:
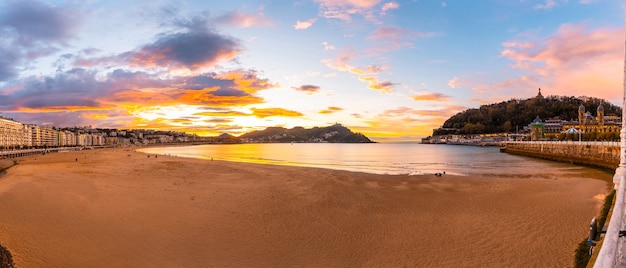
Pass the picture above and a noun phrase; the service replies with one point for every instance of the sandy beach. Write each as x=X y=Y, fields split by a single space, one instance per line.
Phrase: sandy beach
x=120 y=208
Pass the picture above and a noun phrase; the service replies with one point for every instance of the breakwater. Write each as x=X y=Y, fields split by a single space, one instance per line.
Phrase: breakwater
x=596 y=154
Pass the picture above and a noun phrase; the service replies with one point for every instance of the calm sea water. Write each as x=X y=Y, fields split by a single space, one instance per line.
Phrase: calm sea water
x=387 y=158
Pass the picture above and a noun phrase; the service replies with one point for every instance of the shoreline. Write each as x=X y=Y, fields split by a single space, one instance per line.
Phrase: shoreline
x=178 y=211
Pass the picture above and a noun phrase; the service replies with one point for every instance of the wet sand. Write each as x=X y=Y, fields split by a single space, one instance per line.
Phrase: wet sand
x=119 y=208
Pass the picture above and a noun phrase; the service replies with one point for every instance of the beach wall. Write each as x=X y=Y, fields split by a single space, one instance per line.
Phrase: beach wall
x=6 y=163
x=596 y=154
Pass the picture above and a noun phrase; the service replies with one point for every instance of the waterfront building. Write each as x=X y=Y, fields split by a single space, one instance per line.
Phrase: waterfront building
x=87 y=139
x=67 y=138
x=35 y=134
x=587 y=123
x=49 y=137
x=27 y=137
x=553 y=125
x=537 y=129
x=11 y=133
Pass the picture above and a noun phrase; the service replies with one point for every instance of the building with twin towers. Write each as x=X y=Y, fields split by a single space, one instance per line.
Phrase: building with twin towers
x=601 y=125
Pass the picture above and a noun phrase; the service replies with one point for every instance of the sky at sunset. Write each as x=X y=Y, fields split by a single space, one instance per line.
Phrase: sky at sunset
x=392 y=70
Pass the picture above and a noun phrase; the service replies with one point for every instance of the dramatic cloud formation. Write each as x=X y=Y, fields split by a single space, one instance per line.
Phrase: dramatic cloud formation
x=245 y=65
x=573 y=60
x=31 y=30
x=33 y=21
x=77 y=89
x=191 y=50
x=81 y=96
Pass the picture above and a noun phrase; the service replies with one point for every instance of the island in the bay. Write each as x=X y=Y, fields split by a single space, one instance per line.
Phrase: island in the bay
x=336 y=133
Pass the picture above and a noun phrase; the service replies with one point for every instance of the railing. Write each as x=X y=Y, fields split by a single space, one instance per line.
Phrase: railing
x=596 y=143
x=607 y=257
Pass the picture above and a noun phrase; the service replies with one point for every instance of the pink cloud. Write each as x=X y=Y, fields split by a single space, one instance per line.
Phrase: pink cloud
x=243 y=20
x=345 y=9
x=573 y=61
x=303 y=25
x=327 y=46
x=389 y=6
x=547 y=5
x=391 y=38
x=351 y=3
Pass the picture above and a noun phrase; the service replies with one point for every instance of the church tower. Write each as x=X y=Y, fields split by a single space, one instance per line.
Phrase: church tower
x=581 y=115
x=539 y=96
x=600 y=117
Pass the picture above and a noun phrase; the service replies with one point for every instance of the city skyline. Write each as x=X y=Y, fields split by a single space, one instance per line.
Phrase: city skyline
x=392 y=70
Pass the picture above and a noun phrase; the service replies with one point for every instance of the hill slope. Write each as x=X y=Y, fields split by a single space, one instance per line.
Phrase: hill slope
x=506 y=116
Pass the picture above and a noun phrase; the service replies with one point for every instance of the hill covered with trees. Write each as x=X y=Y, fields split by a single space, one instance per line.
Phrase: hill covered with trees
x=333 y=134
x=507 y=116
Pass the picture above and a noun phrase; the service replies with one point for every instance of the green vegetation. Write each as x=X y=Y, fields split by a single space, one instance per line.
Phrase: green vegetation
x=507 y=116
x=335 y=133
x=581 y=257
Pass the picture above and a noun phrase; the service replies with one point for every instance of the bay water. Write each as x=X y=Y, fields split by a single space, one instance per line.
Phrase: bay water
x=388 y=158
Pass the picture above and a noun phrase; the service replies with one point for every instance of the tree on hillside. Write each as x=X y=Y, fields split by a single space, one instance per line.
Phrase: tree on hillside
x=508 y=115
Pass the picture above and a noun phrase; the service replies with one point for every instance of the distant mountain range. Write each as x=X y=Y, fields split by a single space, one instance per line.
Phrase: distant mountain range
x=331 y=134
x=507 y=116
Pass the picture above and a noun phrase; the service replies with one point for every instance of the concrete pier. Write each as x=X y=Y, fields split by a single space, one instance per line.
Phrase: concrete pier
x=596 y=154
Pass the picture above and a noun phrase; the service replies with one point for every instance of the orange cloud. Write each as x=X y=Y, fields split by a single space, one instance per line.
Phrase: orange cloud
x=377 y=85
x=205 y=97
x=331 y=110
x=431 y=97
x=247 y=81
x=267 y=112
x=221 y=114
x=366 y=74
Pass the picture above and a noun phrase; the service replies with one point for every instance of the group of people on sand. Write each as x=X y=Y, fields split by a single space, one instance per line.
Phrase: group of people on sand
x=439 y=174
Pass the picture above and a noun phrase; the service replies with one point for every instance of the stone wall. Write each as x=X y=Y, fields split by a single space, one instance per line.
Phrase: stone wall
x=596 y=154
